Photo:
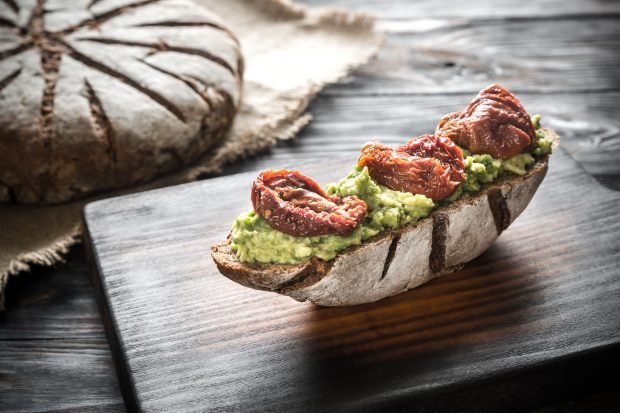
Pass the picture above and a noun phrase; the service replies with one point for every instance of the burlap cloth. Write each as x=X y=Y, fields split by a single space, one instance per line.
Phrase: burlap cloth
x=291 y=52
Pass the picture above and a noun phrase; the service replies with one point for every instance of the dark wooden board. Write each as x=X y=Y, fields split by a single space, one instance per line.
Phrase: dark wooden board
x=513 y=322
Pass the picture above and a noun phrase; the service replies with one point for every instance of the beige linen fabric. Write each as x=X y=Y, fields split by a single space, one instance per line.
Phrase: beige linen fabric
x=290 y=52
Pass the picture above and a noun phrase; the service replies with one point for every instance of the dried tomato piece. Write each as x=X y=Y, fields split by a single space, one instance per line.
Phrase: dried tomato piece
x=442 y=149
x=494 y=122
x=426 y=165
x=297 y=205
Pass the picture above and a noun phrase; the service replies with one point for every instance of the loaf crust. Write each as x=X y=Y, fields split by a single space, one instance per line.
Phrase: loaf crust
x=103 y=94
x=398 y=260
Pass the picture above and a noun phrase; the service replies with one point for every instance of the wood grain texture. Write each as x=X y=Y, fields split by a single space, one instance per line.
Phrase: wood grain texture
x=52 y=304
x=57 y=304
x=559 y=55
x=405 y=9
x=58 y=375
x=54 y=355
x=545 y=292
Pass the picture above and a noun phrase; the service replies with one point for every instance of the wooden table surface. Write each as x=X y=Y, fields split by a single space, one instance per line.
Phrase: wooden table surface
x=561 y=57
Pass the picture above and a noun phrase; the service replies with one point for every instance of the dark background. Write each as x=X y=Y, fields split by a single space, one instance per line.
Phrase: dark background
x=560 y=57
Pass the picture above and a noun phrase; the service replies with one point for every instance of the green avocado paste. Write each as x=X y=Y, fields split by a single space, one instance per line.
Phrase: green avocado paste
x=254 y=241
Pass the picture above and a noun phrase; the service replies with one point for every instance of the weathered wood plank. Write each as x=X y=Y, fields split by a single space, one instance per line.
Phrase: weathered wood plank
x=58 y=375
x=561 y=55
x=53 y=352
x=52 y=304
x=589 y=126
x=404 y=9
x=545 y=291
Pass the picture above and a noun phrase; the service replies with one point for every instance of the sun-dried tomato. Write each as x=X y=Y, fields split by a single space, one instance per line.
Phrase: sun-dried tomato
x=426 y=165
x=297 y=205
x=442 y=149
x=494 y=123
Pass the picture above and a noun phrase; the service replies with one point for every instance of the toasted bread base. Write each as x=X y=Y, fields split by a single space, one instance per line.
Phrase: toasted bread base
x=397 y=260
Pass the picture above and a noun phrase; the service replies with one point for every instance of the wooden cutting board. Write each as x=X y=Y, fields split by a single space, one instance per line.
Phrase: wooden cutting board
x=536 y=316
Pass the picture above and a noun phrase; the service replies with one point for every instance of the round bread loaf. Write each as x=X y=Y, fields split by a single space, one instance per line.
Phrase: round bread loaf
x=101 y=94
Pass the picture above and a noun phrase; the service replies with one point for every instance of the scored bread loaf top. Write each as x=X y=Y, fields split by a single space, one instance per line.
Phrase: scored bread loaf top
x=398 y=260
x=103 y=94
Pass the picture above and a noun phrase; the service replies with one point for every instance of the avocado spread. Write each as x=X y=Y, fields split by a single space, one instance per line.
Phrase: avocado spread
x=253 y=240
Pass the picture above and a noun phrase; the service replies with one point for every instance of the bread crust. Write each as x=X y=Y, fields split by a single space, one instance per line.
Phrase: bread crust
x=398 y=260
x=105 y=95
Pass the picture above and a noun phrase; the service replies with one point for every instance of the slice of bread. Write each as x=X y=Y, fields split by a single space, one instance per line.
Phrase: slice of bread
x=398 y=260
